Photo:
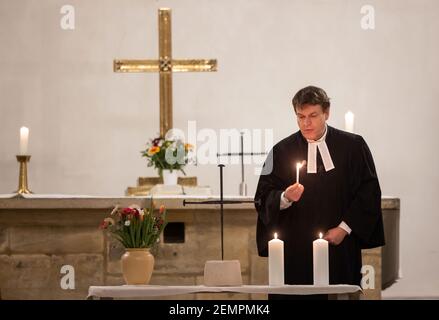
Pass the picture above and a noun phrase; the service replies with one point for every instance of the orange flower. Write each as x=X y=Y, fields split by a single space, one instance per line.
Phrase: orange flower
x=153 y=150
x=162 y=209
x=188 y=146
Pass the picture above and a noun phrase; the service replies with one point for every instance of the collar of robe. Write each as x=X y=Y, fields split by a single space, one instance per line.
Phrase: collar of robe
x=324 y=152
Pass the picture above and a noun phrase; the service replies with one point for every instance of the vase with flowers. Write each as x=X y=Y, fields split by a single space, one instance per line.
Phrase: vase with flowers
x=138 y=230
x=168 y=156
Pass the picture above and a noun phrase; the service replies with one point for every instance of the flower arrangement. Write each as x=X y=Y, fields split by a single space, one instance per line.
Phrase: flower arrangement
x=135 y=227
x=167 y=154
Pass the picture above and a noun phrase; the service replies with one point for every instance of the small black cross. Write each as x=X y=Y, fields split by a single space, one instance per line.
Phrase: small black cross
x=221 y=202
x=243 y=187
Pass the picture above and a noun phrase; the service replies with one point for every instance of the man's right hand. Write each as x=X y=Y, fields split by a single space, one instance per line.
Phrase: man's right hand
x=294 y=192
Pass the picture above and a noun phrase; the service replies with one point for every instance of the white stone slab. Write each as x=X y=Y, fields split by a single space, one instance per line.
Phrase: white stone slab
x=222 y=273
x=197 y=190
x=161 y=189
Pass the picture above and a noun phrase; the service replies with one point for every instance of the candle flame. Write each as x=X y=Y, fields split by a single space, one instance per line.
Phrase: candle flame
x=320 y=235
x=24 y=130
x=275 y=235
x=299 y=165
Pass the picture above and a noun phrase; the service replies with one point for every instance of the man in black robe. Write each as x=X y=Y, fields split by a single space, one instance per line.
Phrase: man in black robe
x=338 y=195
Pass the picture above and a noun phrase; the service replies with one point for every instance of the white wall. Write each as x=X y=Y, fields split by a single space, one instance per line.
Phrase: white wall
x=88 y=124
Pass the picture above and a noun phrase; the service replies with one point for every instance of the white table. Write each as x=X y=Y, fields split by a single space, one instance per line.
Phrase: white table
x=144 y=291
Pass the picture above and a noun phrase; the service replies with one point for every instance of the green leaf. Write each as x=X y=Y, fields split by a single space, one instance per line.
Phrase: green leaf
x=131 y=232
x=138 y=229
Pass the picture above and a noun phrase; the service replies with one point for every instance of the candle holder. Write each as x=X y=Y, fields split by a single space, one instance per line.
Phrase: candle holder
x=22 y=178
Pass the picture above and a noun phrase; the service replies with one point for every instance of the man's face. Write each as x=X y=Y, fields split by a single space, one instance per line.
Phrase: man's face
x=312 y=120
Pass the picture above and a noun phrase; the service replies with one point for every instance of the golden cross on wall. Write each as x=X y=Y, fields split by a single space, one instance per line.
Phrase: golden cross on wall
x=165 y=65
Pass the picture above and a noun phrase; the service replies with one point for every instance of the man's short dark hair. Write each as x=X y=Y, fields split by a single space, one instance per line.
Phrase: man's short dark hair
x=311 y=95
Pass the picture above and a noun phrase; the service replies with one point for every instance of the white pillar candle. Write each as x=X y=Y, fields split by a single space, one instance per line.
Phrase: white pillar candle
x=349 y=121
x=276 y=262
x=24 y=139
x=320 y=262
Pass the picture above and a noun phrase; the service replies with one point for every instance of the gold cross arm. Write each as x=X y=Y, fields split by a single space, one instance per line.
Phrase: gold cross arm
x=165 y=65
x=188 y=65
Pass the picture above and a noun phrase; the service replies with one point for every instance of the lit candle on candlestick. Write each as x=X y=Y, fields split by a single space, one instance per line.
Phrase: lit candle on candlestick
x=276 y=262
x=349 y=122
x=321 y=262
x=298 y=166
x=24 y=139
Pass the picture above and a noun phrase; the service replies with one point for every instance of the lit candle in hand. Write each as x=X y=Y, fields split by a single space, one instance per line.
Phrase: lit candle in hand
x=298 y=166
x=276 y=262
x=320 y=262
x=24 y=139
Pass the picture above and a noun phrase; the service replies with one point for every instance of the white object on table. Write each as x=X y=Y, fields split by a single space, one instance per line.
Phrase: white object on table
x=276 y=262
x=222 y=273
x=320 y=262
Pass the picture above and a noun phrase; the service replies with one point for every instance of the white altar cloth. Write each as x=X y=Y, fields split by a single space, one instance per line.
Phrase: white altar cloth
x=139 y=291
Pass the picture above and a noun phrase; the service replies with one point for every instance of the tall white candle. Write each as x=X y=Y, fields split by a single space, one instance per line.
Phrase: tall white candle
x=321 y=262
x=24 y=139
x=276 y=262
x=349 y=121
x=298 y=166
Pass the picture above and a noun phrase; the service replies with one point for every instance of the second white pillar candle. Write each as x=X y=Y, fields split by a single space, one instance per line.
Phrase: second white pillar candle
x=320 y=262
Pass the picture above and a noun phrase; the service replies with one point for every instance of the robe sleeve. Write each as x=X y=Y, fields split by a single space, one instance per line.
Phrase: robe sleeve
x=267 y=197
x=364 y=214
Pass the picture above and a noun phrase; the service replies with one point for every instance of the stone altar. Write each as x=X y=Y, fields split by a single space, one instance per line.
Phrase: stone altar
x=39 y=234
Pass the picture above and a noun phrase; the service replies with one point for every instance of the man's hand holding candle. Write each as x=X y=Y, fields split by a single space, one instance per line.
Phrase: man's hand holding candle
x=294 y=192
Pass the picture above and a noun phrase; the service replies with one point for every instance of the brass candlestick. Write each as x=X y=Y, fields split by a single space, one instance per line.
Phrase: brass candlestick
x=22 y=179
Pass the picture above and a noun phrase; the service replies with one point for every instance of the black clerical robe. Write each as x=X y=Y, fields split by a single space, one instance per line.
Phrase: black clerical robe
x=350 y=192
